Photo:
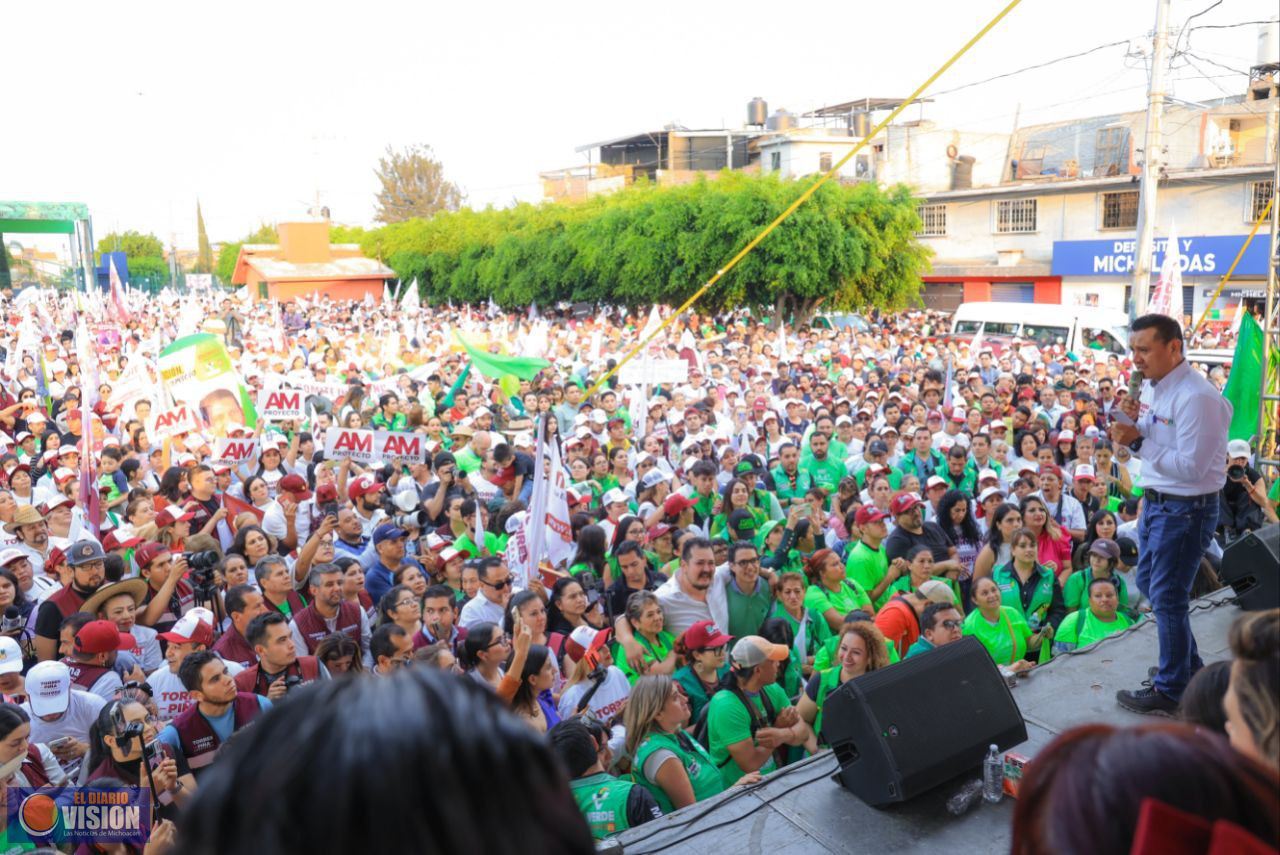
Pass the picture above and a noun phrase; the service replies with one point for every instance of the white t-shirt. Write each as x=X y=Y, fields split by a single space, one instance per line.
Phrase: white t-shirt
x=605 y=703
x=82 y=712
x=480 y=610
x=171 y=697
x=146 y=648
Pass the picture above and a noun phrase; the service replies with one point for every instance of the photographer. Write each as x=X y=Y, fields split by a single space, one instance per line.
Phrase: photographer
x=123 y=738
x=450 y=484
x=168 y=597
x=1243 y=500
x=279 y=668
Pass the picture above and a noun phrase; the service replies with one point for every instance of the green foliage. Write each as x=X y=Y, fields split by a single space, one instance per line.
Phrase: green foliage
x=412 y=184
x=148 y=267
x=133 y=244
x=227 y=255
x=846 y=247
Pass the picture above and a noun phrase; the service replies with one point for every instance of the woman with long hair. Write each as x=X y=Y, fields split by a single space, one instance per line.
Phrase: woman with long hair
x=252 y=544
x=484 y=651
x=353 y=584
x=862 y=649
x=806 y=623
x=996 y=551
x=665 y=759
x=173 y=487
x=527 y=607
x=532 y=701
x=116 y=740
x=1053 y=543
x=340 y=654
x=1102 y=524
x=735 y=496
x=570 y=606
x=591 y=553
x=955 y=518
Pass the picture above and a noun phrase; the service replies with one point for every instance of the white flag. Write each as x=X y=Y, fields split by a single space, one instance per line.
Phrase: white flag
x=1167 y=299
x=412 y=300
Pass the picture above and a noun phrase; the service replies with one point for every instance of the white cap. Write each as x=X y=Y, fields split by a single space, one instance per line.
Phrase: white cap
x=515 y=521
x=935 y=481
x=49 y=688
x=1066 y=435
x=1084 y=470
x=612 y=497
x=988 y=474
x=988 y=493
x=10 y=656
x=1239 y=448
x=599 y=415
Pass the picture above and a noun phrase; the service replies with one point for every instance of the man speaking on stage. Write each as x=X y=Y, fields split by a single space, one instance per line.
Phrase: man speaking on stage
x=1182 y=442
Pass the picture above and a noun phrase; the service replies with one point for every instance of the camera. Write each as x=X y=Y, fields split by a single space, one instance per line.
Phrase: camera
x=417 y=519
x=1235 y=472
x=12 y=621
x=202 y=565
x=291 y=682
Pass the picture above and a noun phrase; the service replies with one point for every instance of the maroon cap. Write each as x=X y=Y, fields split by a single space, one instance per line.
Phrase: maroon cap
x=1051 y=469
x=295 y=485
x=761 y=403
x=660 y=530
x=902 y=503
x=112 y=542
x=326 y=493
x=101 y=636
x=148 y=552
x=869 y=514
x=705 y=634
x=56 y=557
x=676 y=503
x=362 y=486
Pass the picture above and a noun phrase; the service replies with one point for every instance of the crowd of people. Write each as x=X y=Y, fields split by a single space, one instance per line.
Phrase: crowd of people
x=806 y=504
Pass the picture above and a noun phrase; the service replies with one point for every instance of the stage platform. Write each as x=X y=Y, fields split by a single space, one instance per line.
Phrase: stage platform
x=802 y=811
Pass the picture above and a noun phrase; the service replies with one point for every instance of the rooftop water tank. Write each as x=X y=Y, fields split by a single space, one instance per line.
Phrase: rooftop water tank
x=757 y=112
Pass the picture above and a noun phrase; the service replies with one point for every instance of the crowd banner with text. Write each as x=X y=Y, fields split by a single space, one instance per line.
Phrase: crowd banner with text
x=280 y=405
x=651 y=372
x=374 y=446
x=196 y=370
x=165 y=424
x=233 y=452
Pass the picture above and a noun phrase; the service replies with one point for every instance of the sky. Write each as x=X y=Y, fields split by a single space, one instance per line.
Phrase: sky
x=138 y=110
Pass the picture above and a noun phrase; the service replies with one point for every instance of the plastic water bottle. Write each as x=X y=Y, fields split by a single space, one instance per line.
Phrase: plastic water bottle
x=993 y=776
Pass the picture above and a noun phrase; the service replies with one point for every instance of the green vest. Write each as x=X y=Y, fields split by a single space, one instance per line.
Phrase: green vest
x=747 y=611
x=602 y=799
x=785 y=491
x=1041 y=599
x=654 y=651
x=1076 y=592
x=704 y=777
x=828 y=682
x=816 y=631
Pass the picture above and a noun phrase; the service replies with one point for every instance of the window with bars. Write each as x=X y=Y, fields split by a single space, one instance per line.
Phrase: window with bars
x=1260 y=193
x=1015 y=216
x=933 y=220
x=775 y=161
x=1120 y=210
x=824 y=162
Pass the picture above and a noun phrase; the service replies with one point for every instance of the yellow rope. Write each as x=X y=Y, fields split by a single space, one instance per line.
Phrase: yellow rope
x=1232 y=269
x=804 y=197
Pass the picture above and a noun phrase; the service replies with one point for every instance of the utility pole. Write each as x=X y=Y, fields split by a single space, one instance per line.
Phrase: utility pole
x=1152 y=157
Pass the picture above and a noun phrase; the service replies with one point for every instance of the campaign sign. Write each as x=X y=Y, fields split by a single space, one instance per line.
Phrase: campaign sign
x=78 y=816
x=280 y=405
x=374 y=446
x=180 y=419
x=651 y=372
x=233 y=452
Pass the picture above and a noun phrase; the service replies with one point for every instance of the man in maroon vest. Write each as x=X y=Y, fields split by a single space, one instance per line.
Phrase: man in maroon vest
x=279 y=667
x=275 y=580
x=93 y=656
x=243 y=604
x=329 y=613
x=168 y=596
x=88 y=571
x=218 y=712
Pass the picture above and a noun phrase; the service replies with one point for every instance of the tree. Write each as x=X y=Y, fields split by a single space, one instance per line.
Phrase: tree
x=226 y=266
x=133 y=244
x=6 y=278
x=413 y=185
x=204 y=252
x=847 y=247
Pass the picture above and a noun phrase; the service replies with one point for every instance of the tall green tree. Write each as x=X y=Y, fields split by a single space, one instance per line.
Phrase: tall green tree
x=413 y=185
x=6 y=278
x=133 y=244
x=204 y=252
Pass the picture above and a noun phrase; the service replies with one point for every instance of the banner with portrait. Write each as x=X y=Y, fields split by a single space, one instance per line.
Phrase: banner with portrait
x=197 y=370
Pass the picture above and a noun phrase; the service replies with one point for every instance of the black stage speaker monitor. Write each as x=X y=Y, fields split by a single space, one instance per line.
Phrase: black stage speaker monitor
x=903 y=730
x=1251 y=566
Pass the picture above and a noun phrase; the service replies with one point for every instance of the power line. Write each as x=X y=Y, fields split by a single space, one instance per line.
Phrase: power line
x=1230 y=26
x=1214 y=63
x=1182 y=32
x=1032 y=67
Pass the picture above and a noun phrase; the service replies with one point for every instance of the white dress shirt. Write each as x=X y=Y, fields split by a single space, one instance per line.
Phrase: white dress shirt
x=1184 y=447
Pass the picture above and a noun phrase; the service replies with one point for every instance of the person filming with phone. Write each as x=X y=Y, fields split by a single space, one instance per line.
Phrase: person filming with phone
x=1181 y=439
x=122 y=739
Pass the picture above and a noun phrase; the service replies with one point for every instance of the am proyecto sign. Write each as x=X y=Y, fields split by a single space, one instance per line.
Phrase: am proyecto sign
x=1201 y=256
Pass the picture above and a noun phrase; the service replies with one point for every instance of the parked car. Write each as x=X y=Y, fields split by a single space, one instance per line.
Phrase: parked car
x=1042 y=324
x=841 y=321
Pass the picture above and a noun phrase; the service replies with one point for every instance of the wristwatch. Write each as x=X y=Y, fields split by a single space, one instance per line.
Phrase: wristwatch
x=1136 y=445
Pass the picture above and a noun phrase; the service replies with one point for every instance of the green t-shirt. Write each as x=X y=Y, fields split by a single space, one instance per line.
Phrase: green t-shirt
x=728 y=723
x=868 y=567
x=654 y=651
x=467 y=460
x=825 y=473
x=851 y=596
x=826 y=656
x=816 y=630
x=1082 y=628
x=747 y=611
x=468 y=543
x=902 y=585
x=1076 y=592
x=1006 y=641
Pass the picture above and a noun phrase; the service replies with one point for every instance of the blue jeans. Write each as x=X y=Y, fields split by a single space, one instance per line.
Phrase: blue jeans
x=1172 y=536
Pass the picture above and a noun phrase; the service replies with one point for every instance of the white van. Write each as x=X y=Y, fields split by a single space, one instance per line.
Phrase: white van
x=1043 y=324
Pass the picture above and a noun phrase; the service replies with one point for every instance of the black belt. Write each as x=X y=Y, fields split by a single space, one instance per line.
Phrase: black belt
x=1158 y=496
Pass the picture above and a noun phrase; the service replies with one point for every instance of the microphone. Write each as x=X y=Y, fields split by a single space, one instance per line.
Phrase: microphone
x=1135 y=383
x=12 y=620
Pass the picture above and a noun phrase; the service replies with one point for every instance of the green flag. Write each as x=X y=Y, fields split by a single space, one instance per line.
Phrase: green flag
x=496 y=365
x=1244 y=386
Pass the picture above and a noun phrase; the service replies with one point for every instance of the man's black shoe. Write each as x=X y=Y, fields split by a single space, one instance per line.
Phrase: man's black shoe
x=1147 y=701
